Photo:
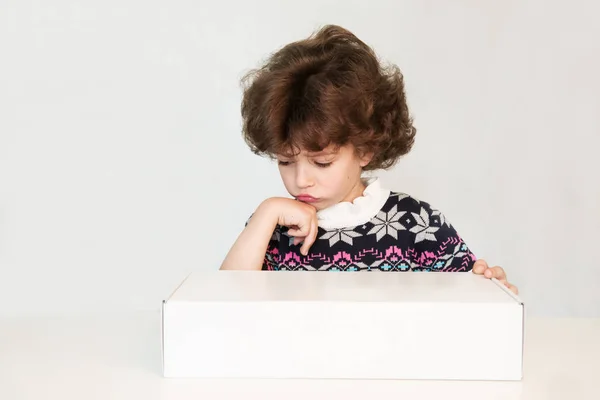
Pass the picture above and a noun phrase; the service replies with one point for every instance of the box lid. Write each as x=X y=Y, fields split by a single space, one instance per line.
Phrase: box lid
x=229 y=286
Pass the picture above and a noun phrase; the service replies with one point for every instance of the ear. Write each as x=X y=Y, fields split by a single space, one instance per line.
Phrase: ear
x=365 y=159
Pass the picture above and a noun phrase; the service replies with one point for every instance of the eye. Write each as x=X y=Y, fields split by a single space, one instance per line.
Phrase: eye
x=283 y=163
x=322 y=165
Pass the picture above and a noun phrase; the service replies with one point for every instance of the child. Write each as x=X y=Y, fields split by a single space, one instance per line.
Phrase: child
x=328 y=111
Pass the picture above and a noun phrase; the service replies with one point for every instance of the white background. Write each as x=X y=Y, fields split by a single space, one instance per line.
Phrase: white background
x=122 y=168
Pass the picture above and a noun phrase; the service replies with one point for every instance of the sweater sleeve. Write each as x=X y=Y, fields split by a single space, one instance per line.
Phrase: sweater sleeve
x=438 y=247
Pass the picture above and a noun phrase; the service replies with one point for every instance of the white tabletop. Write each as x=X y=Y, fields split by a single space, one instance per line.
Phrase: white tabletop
x=118 y=357
x=352 y=286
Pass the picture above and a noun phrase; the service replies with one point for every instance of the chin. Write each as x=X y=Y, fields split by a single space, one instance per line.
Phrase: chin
x=321 y=206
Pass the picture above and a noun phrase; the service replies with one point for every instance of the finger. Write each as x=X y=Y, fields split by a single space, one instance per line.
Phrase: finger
x=293 y=232
x=480 y=267
x=312 y=235
x=513 y=289
x=299 y=230
x=498 y=273
x=493 y=273
x=307 y=239
x=305 y=245
x=298 y=240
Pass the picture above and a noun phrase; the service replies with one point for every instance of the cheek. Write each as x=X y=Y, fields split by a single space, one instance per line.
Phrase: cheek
x=285 y=176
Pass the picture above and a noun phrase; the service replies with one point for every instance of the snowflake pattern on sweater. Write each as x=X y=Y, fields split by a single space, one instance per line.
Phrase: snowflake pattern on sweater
x=405 y=235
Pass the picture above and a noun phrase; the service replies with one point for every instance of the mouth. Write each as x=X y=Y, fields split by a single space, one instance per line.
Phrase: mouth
x=306 y=198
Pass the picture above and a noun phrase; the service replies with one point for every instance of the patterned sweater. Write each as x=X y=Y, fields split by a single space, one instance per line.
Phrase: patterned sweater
x=403 y=234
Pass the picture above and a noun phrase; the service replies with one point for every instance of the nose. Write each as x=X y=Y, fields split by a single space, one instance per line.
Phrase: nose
x=304 y=178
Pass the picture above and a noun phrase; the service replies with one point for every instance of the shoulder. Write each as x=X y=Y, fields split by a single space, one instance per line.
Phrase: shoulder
x=434 y=239
x=421 y=212
x=408 y=203
x=403 y=202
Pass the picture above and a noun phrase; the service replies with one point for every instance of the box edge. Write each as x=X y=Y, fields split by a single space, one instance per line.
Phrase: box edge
x=162 y=337
x=507 y=291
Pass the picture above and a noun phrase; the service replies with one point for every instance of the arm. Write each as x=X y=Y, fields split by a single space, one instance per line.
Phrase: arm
x=445 y=250
x=438 y=246
x=248 y=251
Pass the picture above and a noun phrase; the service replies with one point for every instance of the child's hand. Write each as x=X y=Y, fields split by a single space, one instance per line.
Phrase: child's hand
x=481 y=268
x=300 y=218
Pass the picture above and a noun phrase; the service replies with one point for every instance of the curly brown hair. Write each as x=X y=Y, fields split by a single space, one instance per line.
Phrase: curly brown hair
x=328 y=89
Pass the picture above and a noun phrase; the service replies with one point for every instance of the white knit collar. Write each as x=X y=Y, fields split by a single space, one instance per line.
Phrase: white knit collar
x=357 y=212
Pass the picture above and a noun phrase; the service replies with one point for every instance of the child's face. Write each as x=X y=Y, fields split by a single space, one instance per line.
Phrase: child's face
x=325 y=178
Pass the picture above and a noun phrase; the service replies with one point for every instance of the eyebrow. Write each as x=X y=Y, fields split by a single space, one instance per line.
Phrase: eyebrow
x=322 y=153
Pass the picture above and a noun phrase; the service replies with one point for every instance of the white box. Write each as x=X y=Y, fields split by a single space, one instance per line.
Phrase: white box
x=358 y=325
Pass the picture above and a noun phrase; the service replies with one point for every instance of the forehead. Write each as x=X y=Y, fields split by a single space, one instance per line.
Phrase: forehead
x=327 y=151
